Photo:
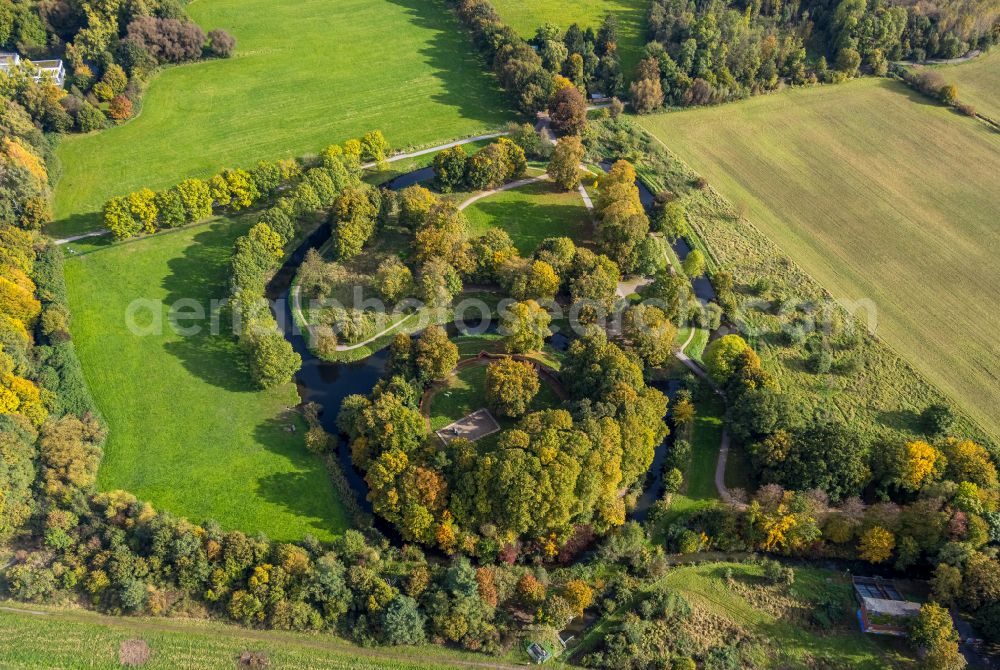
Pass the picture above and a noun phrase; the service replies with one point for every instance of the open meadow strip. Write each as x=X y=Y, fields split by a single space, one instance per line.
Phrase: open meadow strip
x=188 y=431
x=881 y=195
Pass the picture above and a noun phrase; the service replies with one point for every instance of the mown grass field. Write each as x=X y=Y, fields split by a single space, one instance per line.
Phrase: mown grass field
x=532 y=213
x=527 y=15
x=306 y=74
x=187 y=430
x=76 y=639
x=978 y=82
x=879 y=195
x=776 y=620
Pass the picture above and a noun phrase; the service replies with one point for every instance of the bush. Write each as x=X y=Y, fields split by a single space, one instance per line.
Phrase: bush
x=221 y=44
x=120 y=108
x=167 y=40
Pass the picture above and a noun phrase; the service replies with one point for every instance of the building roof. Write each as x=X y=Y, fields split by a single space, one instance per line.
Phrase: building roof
x=894 y=608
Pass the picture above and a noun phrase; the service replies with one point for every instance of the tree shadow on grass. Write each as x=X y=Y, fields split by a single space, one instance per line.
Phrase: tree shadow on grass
x=528 y=224
x=901 y=419
x=201 y=274
x=296 y=492
x=451 y=54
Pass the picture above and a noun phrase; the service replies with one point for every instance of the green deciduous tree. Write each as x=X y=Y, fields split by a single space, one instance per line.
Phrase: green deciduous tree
x=525 y=326
x=511 y=385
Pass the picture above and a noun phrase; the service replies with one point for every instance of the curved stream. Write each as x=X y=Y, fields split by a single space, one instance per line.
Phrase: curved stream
x=327 y=383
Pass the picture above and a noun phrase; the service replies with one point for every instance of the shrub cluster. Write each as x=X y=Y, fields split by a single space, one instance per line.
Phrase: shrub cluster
x=490 y=167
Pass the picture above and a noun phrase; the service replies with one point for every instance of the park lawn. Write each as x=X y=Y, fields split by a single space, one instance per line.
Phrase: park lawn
x=532 y=213
x=465 y=392
x=60 y=638
x=881 y=196
x=525 y=16
x=187 y=430
x=978 y=82
x=306 y=74
x=776 y=619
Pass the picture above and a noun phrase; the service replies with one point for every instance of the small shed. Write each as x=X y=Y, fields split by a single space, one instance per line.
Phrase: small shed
x=538 y=653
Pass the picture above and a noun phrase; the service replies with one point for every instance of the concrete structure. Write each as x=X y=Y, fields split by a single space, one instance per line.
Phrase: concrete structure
x=43 y=68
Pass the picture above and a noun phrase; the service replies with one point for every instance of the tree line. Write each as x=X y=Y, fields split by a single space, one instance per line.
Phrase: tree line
x=302 y=188
x=525 y=70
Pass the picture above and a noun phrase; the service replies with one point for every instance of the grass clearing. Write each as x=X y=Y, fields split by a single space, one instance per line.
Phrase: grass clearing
x=187 y=430
x=532 y=213
x=776 y=621
x=465 y=392
x=525 y=16
x=305 y=74
x=879 y=195
x=978 y=82
x=56 y=638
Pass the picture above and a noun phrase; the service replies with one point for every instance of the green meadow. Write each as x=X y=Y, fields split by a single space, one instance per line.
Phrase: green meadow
x=187 y=430
x=306 y=74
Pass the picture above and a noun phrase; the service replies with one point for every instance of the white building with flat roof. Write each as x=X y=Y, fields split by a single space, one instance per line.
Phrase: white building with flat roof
x=52 y=68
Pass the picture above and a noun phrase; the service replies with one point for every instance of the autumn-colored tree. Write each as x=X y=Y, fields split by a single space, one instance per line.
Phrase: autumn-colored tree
x=876 y=545
x=646 y=95
x=414 y=204
x=195 y=198
x=120 y=108
x=920 y=462
x=536 y=280
x=530 y=591
x=683 y=413
x=443 y=234
x=568 y=111
x=969 y=462
x=436 y=355
x=564 y=167
x=525 y=326
x=117 y=217
x=374 y=147
x=933 y=632
x=579 y=595
x=393 y=280
x=511 y=385
x=650 y=332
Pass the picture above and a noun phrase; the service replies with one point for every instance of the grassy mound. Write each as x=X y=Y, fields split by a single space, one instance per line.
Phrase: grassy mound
x=305 y=75
x=881 y=196
x=188 y=432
